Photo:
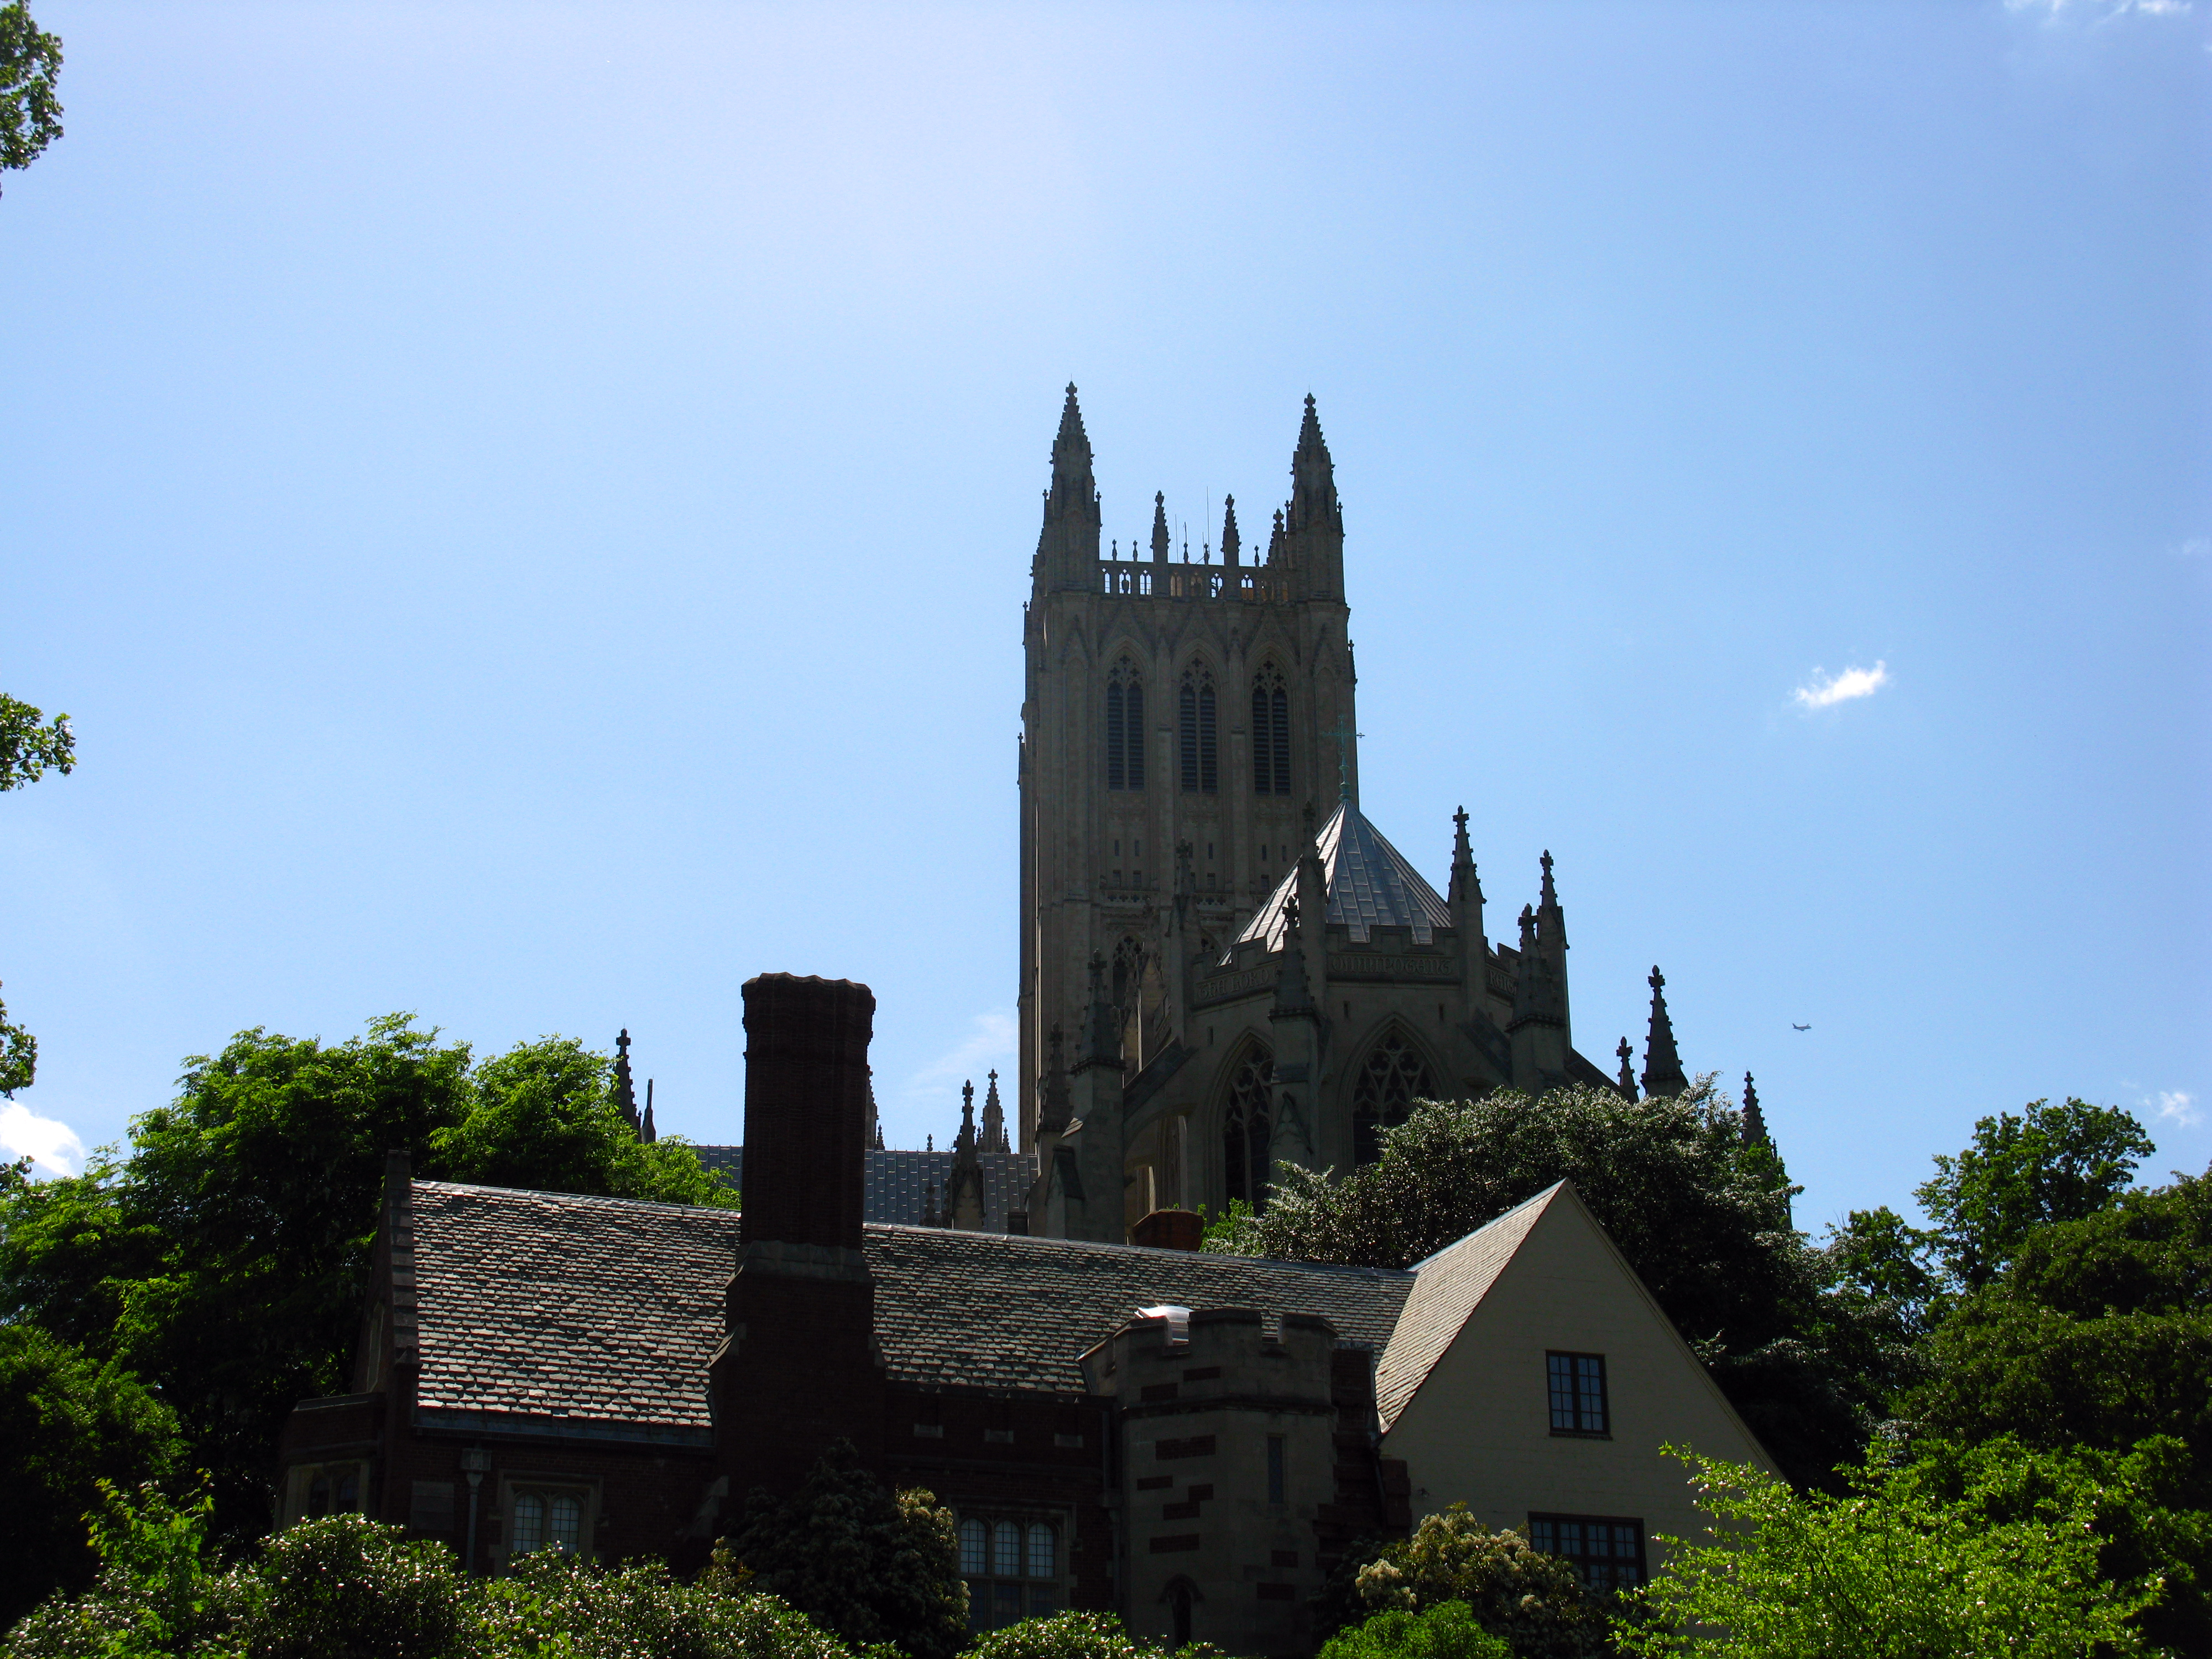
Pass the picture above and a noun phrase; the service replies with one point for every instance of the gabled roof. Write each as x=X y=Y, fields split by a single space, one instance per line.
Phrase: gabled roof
x=553 y=1313
x=1448 y=1287
x=1369 y=881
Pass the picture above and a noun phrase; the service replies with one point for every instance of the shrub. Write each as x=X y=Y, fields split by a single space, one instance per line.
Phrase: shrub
x=345 y=1587
x=1075 y=1636
x=155 y=1593
x=1448 y=1631
x=865 y=1564
x=1534 y=1601
x=553 y=1604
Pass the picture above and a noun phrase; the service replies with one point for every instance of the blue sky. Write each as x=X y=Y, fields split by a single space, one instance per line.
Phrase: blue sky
x=529 y=507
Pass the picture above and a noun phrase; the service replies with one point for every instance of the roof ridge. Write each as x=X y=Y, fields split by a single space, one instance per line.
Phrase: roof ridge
x=1041 y=1241
x=1549 y=1192
x=577 y=1197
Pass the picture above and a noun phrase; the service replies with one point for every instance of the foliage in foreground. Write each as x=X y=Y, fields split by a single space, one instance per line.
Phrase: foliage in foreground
x=1534 y=1603
x=66 y=1424
x=869 y=1565
x=223 y=1260
x=1896 y=1567
x=344 y=1587
x=1076 y=1636
x=1448 y=1631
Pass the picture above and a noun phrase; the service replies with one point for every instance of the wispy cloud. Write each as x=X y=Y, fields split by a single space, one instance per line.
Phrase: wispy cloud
x=2180 y=1106
x=989 y=1043
x=2095 y=11
x=2197 y=547
x=1826 y=692
x=51 y=1145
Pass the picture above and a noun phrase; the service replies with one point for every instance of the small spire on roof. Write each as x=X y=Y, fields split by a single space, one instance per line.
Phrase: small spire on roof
x=994 y=1119
x=1627 y=1082
x=646 y=1132
x=1162 y=542
x=1754 y=1120
x=625 y=1094
x=1231 y=541
x=1662 y=1065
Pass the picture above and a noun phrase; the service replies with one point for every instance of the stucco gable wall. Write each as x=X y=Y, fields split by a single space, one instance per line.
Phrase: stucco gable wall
x=1478 y=1431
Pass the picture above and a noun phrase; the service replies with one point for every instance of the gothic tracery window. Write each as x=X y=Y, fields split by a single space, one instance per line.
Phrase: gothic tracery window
x=1248 y=1126
x=1393 y=1077
x=1271 y=733
x=1125 y=727
x=1200 y=753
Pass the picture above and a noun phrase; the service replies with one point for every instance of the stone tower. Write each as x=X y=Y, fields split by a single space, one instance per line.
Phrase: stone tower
x=1184 y=725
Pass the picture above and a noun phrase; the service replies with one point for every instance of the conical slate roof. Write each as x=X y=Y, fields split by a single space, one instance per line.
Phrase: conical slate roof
x=1370 y=886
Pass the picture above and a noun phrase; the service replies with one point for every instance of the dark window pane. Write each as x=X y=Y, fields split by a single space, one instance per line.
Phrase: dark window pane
x=1133 y=722
x=1281 y=726
x=1117 y=776
x=1209 y=777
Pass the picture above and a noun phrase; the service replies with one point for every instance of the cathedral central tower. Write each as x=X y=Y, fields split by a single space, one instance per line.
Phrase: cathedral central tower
x=1183 y=726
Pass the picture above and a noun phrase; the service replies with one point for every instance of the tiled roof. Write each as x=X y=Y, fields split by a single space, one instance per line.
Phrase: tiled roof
x=981 y=1309
x=1448 y=1287
x=565 y=1310
x=553 y=1312
x=1369 y=881
x=896 y=1177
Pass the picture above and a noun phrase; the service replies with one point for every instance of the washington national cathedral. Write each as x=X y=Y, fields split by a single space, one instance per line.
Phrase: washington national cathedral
x=1223 y=964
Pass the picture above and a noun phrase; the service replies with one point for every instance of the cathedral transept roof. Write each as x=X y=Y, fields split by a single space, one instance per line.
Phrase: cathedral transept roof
x=1369 y=881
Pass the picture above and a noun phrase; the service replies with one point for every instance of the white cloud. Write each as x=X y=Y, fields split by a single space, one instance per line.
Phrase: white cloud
x=2197 y=547
x=50 y=1142
x=2181 y=1106
x=1826 y=693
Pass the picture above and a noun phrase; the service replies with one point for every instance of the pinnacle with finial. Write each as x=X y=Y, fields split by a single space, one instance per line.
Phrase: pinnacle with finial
x=1628 y=1056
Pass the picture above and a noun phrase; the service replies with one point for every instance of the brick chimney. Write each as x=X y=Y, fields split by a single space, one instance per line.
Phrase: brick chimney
x=798 y=1367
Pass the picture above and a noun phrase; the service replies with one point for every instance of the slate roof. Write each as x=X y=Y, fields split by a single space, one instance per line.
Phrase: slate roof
x=1449 y=1286
x=980 y=1308
x=567 y=1314
x=554 y=1313
x=1369 y=883
x=894 y=1178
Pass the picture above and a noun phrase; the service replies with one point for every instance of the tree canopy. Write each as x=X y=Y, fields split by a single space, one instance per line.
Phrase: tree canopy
x=30 y=112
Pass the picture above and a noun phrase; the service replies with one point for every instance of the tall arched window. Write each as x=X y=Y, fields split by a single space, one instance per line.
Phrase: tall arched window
x=1248 y=1126
x=1200 y=754
x=1393 y=1077
x=1271 y=733
x=1125 y=727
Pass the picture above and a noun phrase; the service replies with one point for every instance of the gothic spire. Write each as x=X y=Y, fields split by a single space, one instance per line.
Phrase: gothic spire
x=1072 y=485
x=1754 y=1120
x=1160 y=536
x=625 y=1094
x=994 y=1119
x=1231 y=541
x=646 y=1133
x=965 y=1141
x=1465 y=883
x=1313 y=475
x=1551 y=919
x=1626 y=1084
x=1662 y=1066
x=1067 y=545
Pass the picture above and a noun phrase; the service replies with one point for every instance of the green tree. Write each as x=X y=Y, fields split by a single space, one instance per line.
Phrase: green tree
x=872 y=1565
x=1446 y=1631
x=225 y=1258
x=2051 y=1164
x=1534 y=1603
x=66 y=1426
x=1892 y=1569
x=550 y=1604
x=541 y=1116
x=30 y=113
x=1074 y=1636
x=1808 y=1360
x=27 y=747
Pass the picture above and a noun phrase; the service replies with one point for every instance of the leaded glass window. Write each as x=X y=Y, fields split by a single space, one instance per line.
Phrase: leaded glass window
x=1393 y=1077
x=1248 y=1126
x=1200 y=752
x=1125 y=727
